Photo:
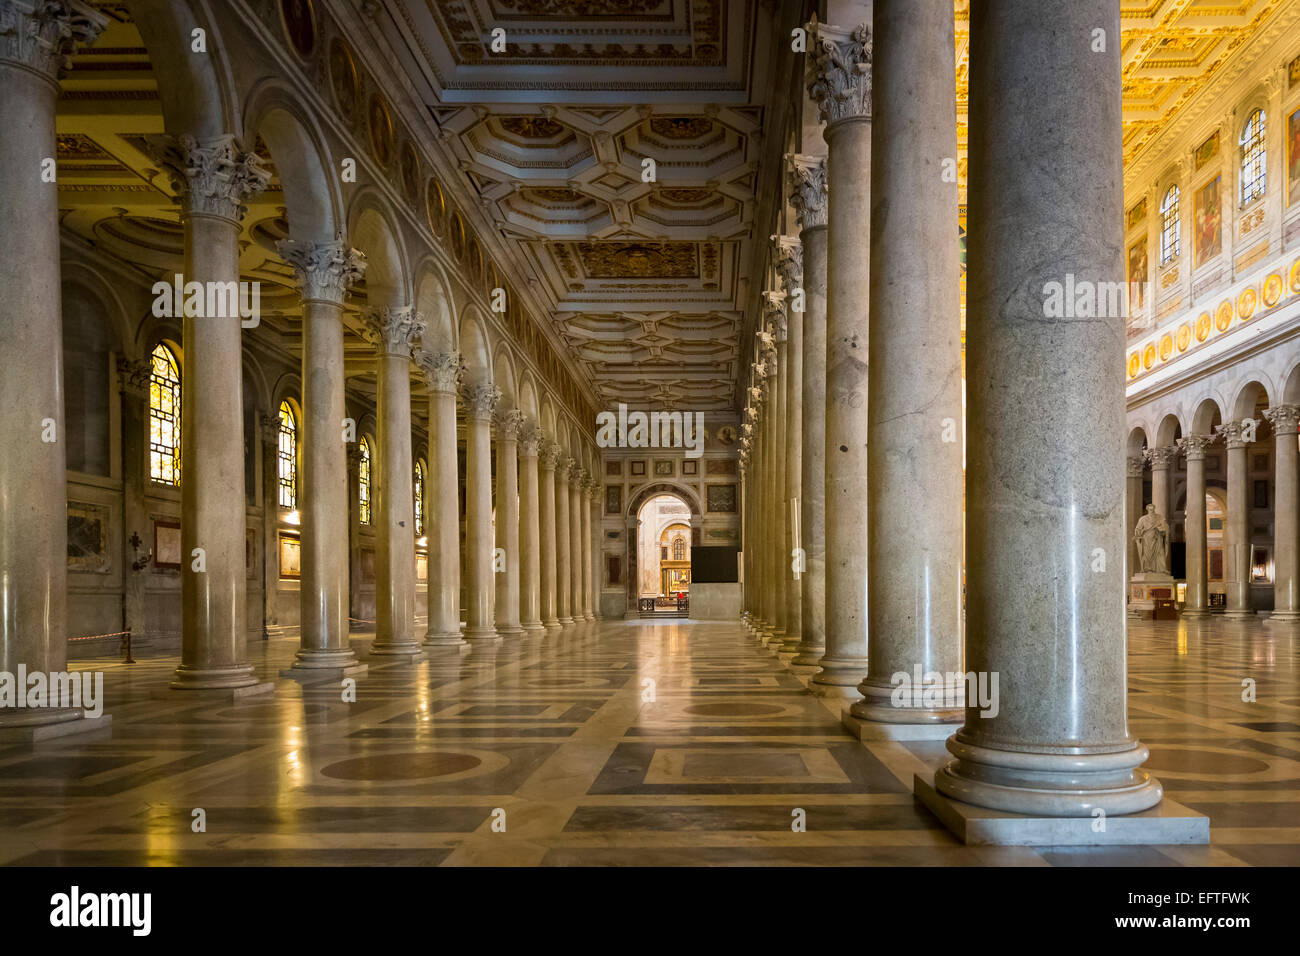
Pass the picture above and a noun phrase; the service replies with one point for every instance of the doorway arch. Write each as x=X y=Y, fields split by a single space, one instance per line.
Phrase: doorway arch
x=633 y=527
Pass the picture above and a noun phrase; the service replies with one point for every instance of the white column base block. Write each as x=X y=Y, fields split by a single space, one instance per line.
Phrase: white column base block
x=1166 y=823
x=215 y=693
x=881 y=730
x=307 y=674
x=32 y=725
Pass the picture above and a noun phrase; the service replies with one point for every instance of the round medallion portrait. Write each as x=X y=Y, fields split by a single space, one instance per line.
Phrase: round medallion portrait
x=381 y=130
x=409 y=164
x=435 y=203
x=299 y=21
x=343 y=79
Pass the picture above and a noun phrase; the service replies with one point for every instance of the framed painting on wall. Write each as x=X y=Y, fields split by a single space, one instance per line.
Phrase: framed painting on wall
x=1293 y=157
x=1208 y=225
x=166 y=543
x=721 y=498
x=88 y=538
x=290 y=555
x=613 y=499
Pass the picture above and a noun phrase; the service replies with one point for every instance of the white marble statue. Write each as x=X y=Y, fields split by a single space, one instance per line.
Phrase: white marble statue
x=1151 y=535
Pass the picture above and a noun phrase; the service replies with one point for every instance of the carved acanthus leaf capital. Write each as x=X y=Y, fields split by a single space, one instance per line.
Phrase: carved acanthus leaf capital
x=324 y=270
x=210 y=177
x=1234 y=434
x=548 y=453
x=1161 y=457
x=1136 y=467
x=441 y=370
x=1285 y=419
x=774 y=315
x=269 y=428
x=480 y=401
x=392 y=330
x=530 y=437
x=1193 y=446
x=788 y=252
x=509 y=423
x=42 y=35
x=839 y=71
x=808 y=193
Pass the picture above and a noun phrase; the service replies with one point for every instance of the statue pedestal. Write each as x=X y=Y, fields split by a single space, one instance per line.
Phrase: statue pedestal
x=1147 y=587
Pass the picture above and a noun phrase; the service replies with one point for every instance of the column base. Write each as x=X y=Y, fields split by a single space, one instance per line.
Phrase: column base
x=482 y=636
x=1194 y=613
x=510 y=631
x=809 y=655
x=552 y=625
x=534 y=629
x=839 y=677
x=1164 y=824
x=444 y=639
x=1049 y=784
x=865 y=729
x=1283 y=617
x=565 y=621
x=1239 y=614
x=237 y=677
x=406 y=651
x=319 y=665
x=32 y=725
x=877 y=708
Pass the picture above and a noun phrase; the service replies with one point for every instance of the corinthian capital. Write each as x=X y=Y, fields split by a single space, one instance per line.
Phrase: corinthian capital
x=1233 y=434
x=42 y=35
x=788 y=252
x=808 y=193
x=324 y=270
x=441 y=370
x=133 y=377
x=509 y=423
x=1161 y=457
x=211 y=177
x=392 y=330
x=1193 y=446
x=480 y=401
x=774 y=314
x=548 y=453
x=1135 y=467
x=530 y=437
x=1285 y=419
x=839 y=72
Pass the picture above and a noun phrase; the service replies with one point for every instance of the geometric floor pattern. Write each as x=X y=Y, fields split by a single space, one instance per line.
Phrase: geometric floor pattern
x=618 y=743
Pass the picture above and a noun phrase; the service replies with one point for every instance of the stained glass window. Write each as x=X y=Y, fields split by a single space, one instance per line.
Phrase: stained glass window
x=419 y=498
x=364 y=482
x=1253 y=158
x=287 y=457
x=1170 y=227
x=165 y=418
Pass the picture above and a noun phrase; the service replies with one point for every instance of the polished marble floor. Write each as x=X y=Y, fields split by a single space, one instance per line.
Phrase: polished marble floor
x=621 y=743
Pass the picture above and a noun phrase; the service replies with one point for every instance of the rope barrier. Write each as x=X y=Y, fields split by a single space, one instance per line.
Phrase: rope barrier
x=125 y=644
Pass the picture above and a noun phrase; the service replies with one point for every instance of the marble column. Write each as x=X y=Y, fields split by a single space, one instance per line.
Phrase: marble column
x=789 y=265
x=563 y=565
x=808 y=196
x=588 y=501
x=392 y=330
x=1133 y=509
x=480 y=406
x=1045 y=406
x=530 y=549
x=1285 y=419
x=324 y=271
x=442 y=372
x=133 y=384
x=779 y=517
x=269 y=433
x=38 y=39
x=767 y=555
x=579 y=476
x=1161 y=459
x=212 y=178
x=548 y=456
x=914 y=546
x=507 y=523
x=1236 y=544
x=839 y=74
x=1197 y=599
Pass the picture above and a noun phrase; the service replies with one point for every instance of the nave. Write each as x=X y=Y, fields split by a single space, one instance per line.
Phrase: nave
x=650 y=743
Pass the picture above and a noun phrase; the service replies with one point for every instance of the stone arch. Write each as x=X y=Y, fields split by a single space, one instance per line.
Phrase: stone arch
x=475 y=347
x=547 y=419
x=528 y=402
x=1249 y=397
x=503 y=375
x=1137 y=441
x=433 y=301
x=1206 y=416
x=198 y=96
x=644 y=494
x=1290 y=390
x=1169 y=429
x=372 y=230
x=312 y=194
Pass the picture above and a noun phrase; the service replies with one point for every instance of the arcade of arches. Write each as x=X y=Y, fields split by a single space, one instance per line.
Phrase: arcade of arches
x=309 y=310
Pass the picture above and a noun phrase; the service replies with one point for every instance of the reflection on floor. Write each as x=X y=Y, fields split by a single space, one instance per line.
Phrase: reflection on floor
x=641 y=742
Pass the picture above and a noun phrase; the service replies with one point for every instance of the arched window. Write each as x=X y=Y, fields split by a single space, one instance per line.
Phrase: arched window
x=1170 y=227
x=287 y=456
x=679 y=548
x=364 y=482
x=1253 y=159
x=419 y=498
x=165 y=418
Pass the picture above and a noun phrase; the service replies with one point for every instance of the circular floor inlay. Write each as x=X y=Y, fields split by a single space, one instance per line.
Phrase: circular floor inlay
x=733 y=710
x=401 y=766
x=1202 y=761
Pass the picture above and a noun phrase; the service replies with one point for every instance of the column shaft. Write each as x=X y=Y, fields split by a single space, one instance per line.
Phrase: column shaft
x=563 y=569
x=1237 y=536
x=530 y=558
x=480 y=403
x=575 y=546
x=1285 y=420
x=1196 y=603
x=507 y=523
x=546 y=499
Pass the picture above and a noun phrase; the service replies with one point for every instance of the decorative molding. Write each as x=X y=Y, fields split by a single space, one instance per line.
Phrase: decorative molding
x=530 y=439
x=1193 y=446
x=509 y=424
x=1232 y=434
x=788 y=253
x=1161 y=457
